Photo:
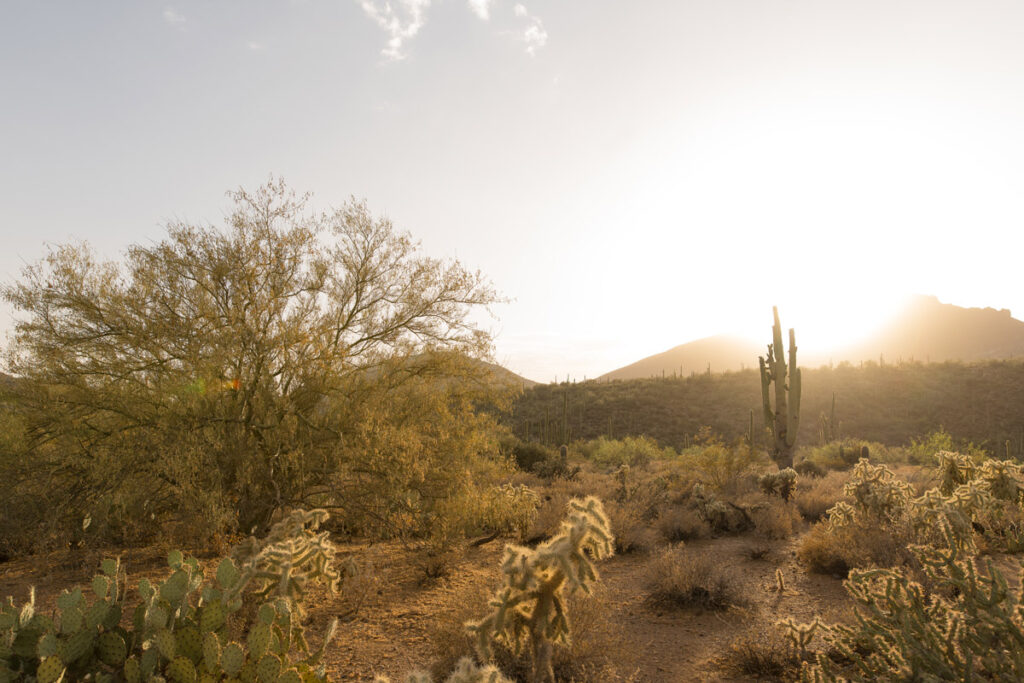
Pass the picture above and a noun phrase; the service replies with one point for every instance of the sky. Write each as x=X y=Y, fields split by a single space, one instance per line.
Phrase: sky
x=631 y=175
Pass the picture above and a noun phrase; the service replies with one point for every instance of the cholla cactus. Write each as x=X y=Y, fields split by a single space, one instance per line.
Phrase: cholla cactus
x=939 y=519
x=466 y=671
x=1004 y=479
x=954 y=469
x=291 y=555
x=840 y=515
x=529 y=609
x=876 y=492
x=969 y=628
x=799 y=635
x=779 y=483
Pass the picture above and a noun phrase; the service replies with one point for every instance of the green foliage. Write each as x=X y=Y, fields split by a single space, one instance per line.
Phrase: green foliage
x=632 y=451
x=889 y=404
x=923 y=450
x=217 y=375
x=179 y=629
x=527 y=455
x=720 y=465
x=529 y=609
x=844 y=454
x=965 y=626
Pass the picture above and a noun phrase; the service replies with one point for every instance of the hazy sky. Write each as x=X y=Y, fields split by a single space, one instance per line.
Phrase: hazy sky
x=634 y=175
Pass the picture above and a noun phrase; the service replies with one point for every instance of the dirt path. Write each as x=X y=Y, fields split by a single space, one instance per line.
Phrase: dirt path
x=406 y=623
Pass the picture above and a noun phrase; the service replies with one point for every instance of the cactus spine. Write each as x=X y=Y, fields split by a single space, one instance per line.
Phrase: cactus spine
x=784 y=420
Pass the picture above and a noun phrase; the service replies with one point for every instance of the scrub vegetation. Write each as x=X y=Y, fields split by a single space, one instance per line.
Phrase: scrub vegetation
x=277 y=451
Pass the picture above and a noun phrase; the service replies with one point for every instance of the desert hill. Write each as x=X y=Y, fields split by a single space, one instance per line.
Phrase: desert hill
x=927 y=330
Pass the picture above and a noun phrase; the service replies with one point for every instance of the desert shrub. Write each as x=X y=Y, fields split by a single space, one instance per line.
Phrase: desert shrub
x=635 y=451
x=809 y=468
x=632 y=530
x=775 y=519
x=678 y=523
x=835 y=550
x=527 y=454
x=680 y=578
x=968 y=627
x=721 y=515
x=721 y=465
x=823 y=551
x=779 y=483
x=922 y=451
x=504 y=509
x=843 y=454
x=556 y=468
x=872 y=529
x=762 y=656
x=756 y=551
x=815 y=496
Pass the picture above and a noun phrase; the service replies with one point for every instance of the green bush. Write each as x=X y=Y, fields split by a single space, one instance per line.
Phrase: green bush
x=922 y=451
x=719 y=464
x=633 y=451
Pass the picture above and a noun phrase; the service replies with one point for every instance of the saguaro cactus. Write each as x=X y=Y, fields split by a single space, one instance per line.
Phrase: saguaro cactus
x=784 y=420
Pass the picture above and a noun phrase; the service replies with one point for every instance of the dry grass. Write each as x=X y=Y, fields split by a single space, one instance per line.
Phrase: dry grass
x=837 y=551
x=815 y=495
x=776 y=519
x=763 y=656
x=678 y=578
x=632 y=533
x=596 y=651
x=676 y=523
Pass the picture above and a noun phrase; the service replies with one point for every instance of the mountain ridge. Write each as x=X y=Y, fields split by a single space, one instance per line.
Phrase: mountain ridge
x=925 y=330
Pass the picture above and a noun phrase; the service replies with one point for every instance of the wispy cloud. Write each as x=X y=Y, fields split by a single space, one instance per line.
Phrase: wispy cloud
x=534 y=34
x=481 y=8
x=173 y=16
x=254 y=45
x=401 y=20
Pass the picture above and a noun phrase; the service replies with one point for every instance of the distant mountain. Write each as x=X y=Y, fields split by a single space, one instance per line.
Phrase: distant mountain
x=720 y=353
x=927 y=330
x=505 y=376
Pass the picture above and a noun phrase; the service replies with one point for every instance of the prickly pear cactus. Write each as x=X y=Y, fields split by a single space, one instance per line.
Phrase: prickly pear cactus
x=529 y=608
x=177 y=631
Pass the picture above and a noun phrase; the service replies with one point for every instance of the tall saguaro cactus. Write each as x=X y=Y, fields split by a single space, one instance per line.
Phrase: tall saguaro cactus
x=784 y=420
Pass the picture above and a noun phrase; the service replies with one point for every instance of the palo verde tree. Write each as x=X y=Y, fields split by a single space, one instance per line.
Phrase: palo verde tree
x=289 y=358
x=784 y=420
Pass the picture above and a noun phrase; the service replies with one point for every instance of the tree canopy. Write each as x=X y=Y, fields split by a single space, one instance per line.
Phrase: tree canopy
x=222 y=373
